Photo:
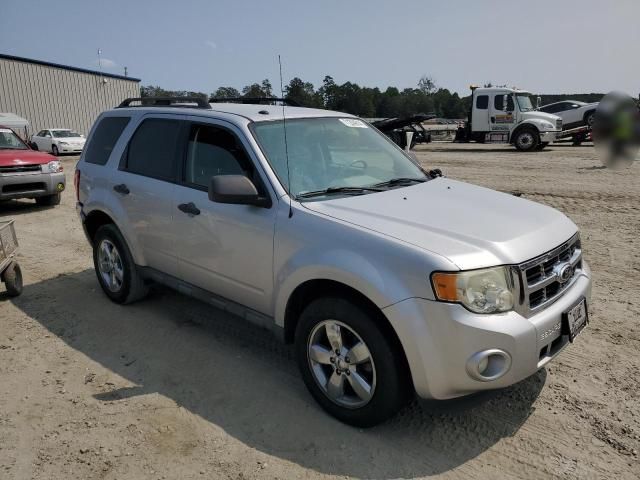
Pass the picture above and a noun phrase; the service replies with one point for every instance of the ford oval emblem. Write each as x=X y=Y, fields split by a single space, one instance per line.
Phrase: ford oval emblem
x=564 y=272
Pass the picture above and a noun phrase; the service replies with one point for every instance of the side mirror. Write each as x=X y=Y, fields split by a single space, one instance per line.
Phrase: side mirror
x=505 y=103
x=538 y=102
x=236 y=189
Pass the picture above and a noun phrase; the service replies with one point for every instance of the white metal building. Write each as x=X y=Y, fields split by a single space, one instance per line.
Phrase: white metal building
x=58 y=96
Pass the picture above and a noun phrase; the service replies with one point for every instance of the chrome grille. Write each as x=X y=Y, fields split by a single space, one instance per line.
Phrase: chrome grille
x=541 y=277
x=20 y=168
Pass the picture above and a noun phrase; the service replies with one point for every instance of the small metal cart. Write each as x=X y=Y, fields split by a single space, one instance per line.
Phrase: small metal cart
x=10 y=272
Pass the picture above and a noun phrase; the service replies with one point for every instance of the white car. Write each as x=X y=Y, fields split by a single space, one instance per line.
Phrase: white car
x=58 y=140
x=573 y=113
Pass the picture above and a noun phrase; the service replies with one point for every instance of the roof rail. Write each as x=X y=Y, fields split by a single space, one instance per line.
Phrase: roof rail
x=255 y=101
x=166 y=102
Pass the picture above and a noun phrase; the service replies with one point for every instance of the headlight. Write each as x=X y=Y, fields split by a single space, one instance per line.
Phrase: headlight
x=489 y=290
x=52 y=167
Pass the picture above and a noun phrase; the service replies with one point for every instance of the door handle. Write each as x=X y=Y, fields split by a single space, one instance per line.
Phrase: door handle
x=189 y=208
x=122 y=188
x=493 y=119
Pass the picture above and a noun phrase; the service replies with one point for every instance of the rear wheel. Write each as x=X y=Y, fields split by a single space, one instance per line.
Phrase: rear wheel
x=34 y=146
x=115 y=268
x=589 y=119
x=12 y=278
x=526 y=140
x=349 y=364
x=54 y=150
x=49 y=200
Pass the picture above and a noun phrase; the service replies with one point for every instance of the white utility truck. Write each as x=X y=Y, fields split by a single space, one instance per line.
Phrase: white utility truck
x=508 y=115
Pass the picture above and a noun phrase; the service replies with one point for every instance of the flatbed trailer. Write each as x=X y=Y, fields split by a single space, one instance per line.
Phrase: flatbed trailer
x=577 y=135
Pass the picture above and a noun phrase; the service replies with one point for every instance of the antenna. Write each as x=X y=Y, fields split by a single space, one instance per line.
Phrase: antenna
x=286 y=148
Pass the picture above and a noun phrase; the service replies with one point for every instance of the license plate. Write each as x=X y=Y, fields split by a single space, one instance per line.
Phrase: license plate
x=575 y=319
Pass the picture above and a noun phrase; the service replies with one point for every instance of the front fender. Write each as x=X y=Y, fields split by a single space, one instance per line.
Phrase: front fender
x=539 y=125
x=339 y=266
x=311 y=246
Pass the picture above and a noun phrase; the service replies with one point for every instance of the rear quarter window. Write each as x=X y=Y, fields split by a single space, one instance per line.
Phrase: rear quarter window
x=104 y=138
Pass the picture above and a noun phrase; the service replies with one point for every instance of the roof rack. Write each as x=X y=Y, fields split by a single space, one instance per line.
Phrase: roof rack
x=166 y=102
x=256 y=101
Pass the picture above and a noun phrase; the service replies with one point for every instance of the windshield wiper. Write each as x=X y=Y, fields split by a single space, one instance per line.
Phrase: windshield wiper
x=399 y=181
x=334 y=190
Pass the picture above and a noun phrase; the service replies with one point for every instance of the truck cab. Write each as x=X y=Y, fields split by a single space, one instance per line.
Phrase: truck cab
x=507 y=115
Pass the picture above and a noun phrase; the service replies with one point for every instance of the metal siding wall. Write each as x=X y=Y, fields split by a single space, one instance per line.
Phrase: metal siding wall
x=51 y=97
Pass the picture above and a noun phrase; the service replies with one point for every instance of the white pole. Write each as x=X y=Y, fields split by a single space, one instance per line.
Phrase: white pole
x=409 y=138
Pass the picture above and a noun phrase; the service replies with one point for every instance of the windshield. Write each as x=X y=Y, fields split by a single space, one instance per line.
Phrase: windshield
x=10 y=141
x=330 y=153
x=524 y=102
x=64 y=133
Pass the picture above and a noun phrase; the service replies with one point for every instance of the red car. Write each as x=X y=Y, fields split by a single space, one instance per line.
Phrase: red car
x=25 y=173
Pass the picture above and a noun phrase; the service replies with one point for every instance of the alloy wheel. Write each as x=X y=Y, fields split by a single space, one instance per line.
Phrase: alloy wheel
x=341 y=364
x=110 y=265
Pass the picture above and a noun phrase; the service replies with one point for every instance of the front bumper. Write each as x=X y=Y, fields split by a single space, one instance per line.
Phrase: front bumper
x=70 y=148
x=439 y=338
x=31 y=185
x=550 y=136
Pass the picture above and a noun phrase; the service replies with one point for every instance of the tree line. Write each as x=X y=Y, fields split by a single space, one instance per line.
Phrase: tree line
x=365 y=102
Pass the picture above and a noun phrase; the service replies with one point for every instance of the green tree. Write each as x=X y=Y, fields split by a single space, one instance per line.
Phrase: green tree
x=226 y=92
x=303 y=93
x=427 y=85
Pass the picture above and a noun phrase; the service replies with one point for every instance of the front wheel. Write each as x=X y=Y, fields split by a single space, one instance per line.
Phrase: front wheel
x=54 y=150
x=351 y=367
x=12 y=278
x=526 y=140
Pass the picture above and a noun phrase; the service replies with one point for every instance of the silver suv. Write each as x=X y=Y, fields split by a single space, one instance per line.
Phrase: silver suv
x=389 y=279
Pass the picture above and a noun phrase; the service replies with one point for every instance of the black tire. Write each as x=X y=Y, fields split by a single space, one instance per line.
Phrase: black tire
x=49 y=200
x=392 y=380
x=54 y=151
x=589 y=118
x=12 y=278
x=132 y=286
x=34 y=146
x=526 y=139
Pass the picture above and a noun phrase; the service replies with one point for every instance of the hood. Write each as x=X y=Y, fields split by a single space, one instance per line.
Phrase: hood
x=10 y=158
x=538 y=115
x=472 y=226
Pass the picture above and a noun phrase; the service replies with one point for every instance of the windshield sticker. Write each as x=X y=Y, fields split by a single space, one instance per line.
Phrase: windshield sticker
x=353 y=123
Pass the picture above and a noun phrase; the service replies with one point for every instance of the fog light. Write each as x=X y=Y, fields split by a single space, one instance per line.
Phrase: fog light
x=489 y=365
x=60 y=187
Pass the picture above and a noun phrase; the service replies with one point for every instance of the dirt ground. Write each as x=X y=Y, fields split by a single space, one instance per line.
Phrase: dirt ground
x=169 y=388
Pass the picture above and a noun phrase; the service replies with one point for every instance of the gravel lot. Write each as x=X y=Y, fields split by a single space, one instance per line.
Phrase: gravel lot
x=169 y=388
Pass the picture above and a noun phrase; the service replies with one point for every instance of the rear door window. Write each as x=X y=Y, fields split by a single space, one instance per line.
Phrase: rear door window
x=152 y=150
x=103 y=140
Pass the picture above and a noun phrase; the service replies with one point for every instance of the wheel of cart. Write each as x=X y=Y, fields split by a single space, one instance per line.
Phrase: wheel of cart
x=10 y=272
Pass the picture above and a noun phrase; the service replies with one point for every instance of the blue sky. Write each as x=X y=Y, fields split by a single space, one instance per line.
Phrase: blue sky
x=544 y=46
